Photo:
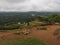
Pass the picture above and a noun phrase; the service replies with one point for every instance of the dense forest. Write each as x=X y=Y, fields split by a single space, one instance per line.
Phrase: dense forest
x=11 y=20
x=14 y=17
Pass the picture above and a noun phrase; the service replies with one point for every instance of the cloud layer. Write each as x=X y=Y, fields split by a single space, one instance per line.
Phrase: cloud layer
x=29 y=5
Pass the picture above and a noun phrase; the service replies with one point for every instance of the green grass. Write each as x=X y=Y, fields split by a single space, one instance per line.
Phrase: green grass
x=12 y=31
x=31 y=41
x=32 y=23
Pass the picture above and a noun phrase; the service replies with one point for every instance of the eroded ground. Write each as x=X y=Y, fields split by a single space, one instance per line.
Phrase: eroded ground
x=45 y=35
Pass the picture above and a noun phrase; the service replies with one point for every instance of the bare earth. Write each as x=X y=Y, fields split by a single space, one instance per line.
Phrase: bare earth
x=45 y=35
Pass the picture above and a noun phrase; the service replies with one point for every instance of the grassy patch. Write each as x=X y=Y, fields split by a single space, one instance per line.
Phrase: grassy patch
x=32 y=23
x=42 y=28
x=31 y=41
x=3 y=31
x=37 y=23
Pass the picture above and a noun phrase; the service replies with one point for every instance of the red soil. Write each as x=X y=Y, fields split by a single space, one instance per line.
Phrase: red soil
x=45 y=35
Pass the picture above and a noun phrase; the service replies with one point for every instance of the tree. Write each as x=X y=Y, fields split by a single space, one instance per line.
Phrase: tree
x=43 y=19
x=53 y=18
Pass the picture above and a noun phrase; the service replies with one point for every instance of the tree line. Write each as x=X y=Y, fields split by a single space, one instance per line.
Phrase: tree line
x=11 y=22
x=50 y=19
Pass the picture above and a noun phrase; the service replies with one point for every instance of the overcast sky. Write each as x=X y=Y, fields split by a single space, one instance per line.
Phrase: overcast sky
x=29 y=5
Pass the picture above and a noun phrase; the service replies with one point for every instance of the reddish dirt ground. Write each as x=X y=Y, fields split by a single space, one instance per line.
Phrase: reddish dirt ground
x=45 y=35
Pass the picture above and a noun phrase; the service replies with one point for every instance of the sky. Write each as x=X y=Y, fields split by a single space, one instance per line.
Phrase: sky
x=29 y=5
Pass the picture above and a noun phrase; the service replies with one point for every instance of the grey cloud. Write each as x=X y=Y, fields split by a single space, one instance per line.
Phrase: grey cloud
x=57 y=1
x=15 y=1
x=29 y=5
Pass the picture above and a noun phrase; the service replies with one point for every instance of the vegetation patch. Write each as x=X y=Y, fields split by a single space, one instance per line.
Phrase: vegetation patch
x=29 y=41
x=32 y=23
x=42 y=28
x=18 y=31
x=10 y=27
